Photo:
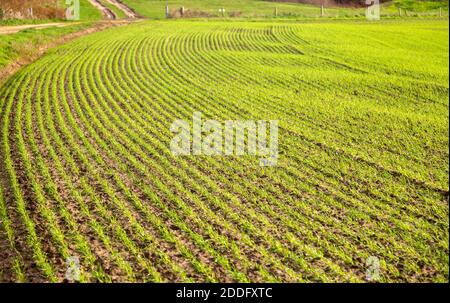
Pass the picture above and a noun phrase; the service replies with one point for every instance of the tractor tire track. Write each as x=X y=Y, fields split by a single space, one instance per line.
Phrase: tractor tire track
x=130 y=13
x=107 y=13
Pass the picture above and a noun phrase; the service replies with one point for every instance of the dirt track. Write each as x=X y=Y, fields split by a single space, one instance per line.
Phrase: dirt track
x=128 y=11
x=14 y=29
x=107 y=13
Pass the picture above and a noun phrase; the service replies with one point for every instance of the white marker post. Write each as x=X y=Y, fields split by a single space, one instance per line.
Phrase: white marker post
x=167 y=9
x=73 y=10
x=373 y=10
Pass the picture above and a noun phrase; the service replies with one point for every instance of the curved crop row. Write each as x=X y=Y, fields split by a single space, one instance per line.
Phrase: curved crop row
x=87 y=171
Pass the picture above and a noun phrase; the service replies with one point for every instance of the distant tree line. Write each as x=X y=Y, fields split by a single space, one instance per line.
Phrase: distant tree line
x=346 y=3
x=356 y=3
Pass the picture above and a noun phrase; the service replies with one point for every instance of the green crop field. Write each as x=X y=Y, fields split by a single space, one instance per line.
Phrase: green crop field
x=86 y=168
x=89 y=12
x=27 y=42
x=263 y=9
x=244 y=8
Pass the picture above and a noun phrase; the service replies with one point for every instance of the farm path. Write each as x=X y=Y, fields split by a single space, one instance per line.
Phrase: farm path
x=107 y=13
x=4 y=30
x=127 y=10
